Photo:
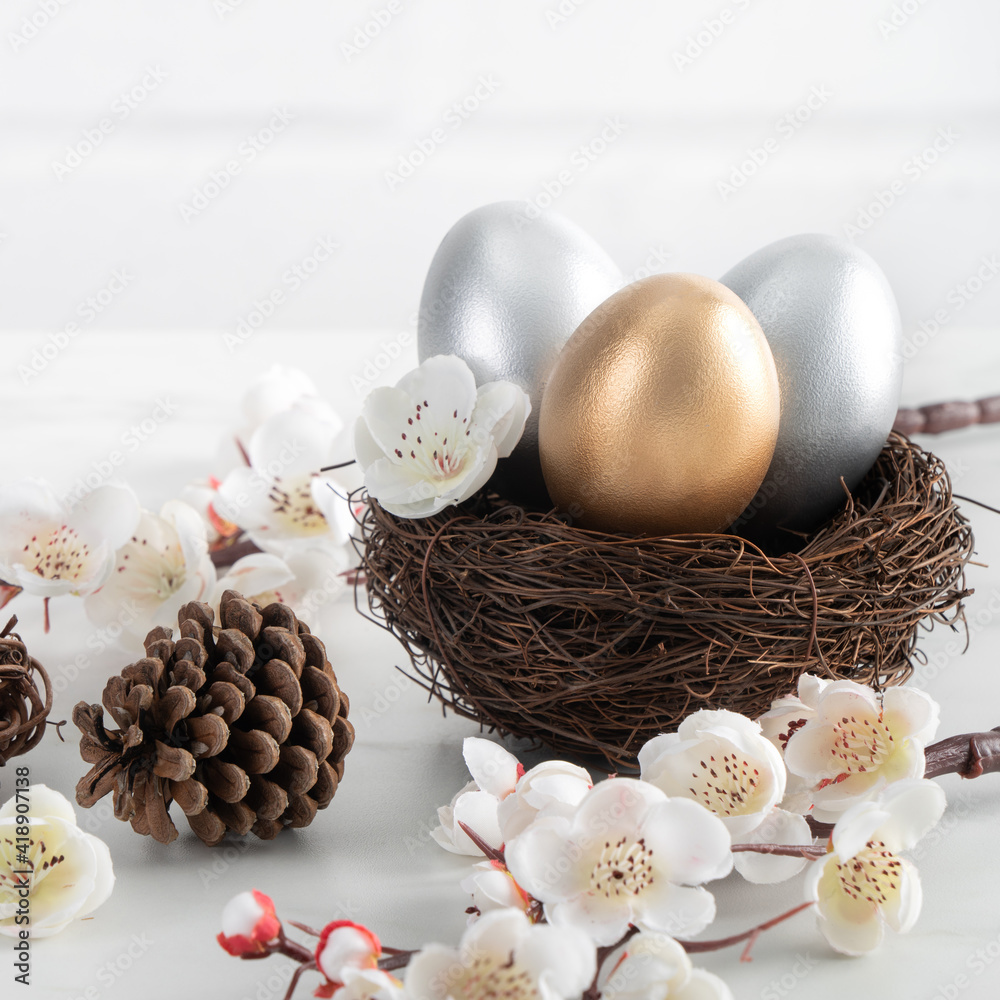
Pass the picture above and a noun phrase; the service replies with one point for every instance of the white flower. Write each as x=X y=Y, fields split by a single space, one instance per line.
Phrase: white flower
x=495 y=773
x=553 y=786
x=856 y=742
x=433 y=440
x=722 y=761
x=786 y=715
x=504 y=955
x=655 y=967
x=48 y=548
x=161 y=567
x=367 y=984
x=779 y=827
x=309 y=582
x=863 y=885
x=627 y=855
x=492 y=887
x=203 y=496
x=280 y=389
x=282 y=501
x=70 y=872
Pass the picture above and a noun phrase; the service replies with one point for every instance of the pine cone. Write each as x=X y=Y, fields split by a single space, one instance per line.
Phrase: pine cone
x=24 y=704
x=243 y=726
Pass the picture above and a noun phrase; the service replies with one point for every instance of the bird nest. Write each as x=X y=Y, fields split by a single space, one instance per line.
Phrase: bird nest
x=593 y=643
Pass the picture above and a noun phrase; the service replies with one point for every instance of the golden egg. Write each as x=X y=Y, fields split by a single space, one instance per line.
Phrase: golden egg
x=661 y=413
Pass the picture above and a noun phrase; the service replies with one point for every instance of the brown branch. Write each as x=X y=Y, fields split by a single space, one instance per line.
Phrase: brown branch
x=951 y=416
x=751 y=935
x=232 y=551
x=809 y=851
x=491 y=852
x=970 y=755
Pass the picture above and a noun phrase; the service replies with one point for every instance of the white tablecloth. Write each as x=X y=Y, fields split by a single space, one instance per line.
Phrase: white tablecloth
x=369 y=856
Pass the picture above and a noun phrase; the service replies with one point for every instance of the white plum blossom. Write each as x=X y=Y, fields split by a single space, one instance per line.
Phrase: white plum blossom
x=203 y=495
x=492 y=887
x=161 y=567
x=282 y=500
x=656 y=967
x=48 y=548
x=862 y=885
x=503 y=954
x=627 y=854
x=856 y=741
x=280 y=389
x=721 y=760
x=309 y=582
x=70 y=872
x=554 y=786
x=779 y=827
x=433 y=440
x=495 y=773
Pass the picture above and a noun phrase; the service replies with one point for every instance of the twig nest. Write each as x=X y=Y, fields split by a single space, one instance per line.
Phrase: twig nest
x=594 y=642
x=25 y=696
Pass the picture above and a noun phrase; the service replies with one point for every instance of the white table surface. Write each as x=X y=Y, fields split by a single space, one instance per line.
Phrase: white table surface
x=369 y=856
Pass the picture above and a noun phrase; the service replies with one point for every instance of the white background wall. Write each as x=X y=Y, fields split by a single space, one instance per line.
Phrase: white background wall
x=653 y=195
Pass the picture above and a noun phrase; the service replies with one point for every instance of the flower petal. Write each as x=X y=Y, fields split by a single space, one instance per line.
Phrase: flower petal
x=110 y=513
x=494 y=769
x=913 y=808
x=692 y=844
x=780 y=827
x=442 y=383
x=289 y=444
x=501 y=410
x=678 y=910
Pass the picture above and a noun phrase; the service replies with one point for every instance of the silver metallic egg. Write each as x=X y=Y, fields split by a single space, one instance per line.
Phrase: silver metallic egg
x=833 y=326
x=506 y=288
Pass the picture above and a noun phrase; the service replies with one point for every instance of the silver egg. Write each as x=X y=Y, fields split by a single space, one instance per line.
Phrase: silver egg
x=506 y=288
x=832 y=322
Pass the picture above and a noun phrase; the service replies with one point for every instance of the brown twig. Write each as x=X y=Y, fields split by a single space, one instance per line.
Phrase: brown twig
x=937 y=418
x=810 y=851
x=971 y=755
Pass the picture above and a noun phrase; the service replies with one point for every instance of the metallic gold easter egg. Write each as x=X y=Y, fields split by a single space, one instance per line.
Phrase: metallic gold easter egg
x=661 y=413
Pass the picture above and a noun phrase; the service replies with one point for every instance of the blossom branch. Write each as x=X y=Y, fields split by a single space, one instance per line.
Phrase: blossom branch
x=749 y=936
x=810 y=851
x=970 y=755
